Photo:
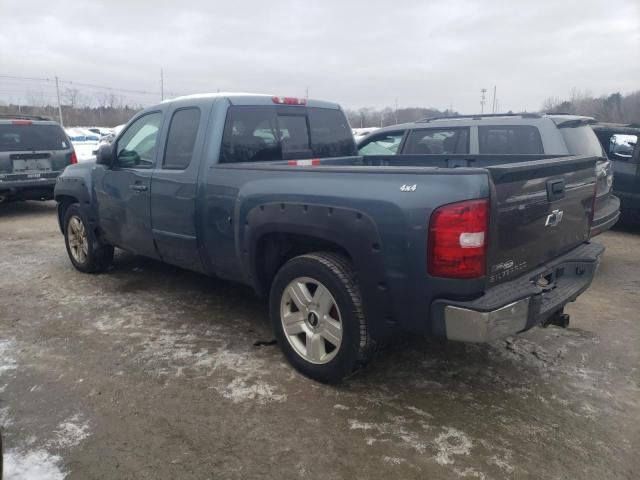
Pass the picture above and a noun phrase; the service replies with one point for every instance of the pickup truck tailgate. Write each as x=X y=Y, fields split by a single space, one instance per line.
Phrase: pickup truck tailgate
x=541 y=209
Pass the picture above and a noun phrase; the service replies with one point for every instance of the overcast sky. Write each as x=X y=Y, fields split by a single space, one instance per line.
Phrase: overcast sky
x=359 y=53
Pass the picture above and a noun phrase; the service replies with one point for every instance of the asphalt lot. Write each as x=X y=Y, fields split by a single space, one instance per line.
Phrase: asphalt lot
x=151 y=372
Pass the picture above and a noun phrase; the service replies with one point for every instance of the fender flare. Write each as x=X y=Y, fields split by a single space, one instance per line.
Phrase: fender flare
x=350 y=229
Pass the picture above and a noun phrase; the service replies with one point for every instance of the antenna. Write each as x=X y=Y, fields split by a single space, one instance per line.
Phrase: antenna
x=494 y=105
x=483 y=100
x=161 y=84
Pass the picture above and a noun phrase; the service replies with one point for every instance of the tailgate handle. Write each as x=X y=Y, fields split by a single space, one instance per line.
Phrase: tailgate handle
x=555 y=189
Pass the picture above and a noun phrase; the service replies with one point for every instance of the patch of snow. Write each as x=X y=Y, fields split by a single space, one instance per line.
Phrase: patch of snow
x=358 y=425
x=7 y=360
x=5 y=421
x=337 y=406
x=393 y=460
x=239 y=390
x=396 y=430
x=420 y=412
x=70 y=433
x=502 y=462
x=452 y=442
x=469 y=473
x=34 y=465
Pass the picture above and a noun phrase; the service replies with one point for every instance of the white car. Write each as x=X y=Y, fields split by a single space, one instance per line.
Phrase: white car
x=85 y=143
x=359 y=133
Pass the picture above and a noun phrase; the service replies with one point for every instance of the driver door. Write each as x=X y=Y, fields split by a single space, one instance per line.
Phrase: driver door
x=123 y=190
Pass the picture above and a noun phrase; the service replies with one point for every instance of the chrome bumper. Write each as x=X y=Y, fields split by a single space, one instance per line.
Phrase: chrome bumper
x=519 y=304
x=466 y=325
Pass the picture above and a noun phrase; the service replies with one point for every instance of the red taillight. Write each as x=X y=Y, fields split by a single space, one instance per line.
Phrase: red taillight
x=21 y=122
x=74 y=158
x=289 y=101
x=458 y=239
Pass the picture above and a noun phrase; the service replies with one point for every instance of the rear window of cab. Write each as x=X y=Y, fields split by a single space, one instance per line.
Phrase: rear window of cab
x=256 y=134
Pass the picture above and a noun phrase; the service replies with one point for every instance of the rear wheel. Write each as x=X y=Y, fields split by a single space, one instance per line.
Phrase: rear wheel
x=86 y=252
x=316 y=311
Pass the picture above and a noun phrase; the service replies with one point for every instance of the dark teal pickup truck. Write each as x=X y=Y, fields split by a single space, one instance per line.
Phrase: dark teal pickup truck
x=350 y=250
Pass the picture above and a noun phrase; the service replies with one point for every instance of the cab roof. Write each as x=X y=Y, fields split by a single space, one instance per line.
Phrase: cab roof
x=239 y=98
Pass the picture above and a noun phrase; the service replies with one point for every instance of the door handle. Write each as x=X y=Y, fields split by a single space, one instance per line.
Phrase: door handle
x=138 y=187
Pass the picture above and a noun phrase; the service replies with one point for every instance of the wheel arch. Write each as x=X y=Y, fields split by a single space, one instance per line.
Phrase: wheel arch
x=274 y=233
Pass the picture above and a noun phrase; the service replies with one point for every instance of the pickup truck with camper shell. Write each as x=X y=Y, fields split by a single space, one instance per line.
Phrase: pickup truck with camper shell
x=350 y=250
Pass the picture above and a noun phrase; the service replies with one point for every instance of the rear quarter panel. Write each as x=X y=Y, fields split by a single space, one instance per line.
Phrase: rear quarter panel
x=383 y=228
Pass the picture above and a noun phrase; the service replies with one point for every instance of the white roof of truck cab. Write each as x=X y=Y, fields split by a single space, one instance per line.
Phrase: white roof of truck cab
x=251 y=99
x=196 y=96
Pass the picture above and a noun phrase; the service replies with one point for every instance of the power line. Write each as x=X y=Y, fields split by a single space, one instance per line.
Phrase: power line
x=89 y=85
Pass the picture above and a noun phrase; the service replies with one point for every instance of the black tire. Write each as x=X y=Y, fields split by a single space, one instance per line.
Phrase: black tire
x=336 y=274
x=99 y=256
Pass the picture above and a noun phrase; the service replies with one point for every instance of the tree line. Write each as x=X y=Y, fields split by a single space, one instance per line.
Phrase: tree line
x=77 y=116
x=614 y=107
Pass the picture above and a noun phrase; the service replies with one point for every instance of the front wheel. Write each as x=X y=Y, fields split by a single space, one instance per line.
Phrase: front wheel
x=317 y=316
x=86 y=252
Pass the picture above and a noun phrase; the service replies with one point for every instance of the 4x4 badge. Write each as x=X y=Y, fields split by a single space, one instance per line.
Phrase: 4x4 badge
x=408 y=188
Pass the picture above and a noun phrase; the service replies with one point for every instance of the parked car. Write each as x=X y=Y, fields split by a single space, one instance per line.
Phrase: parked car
x=361 y=132
x=33 y=152
x=85 y=142
x=268 y=191
x=101 y=131
x=620 y=141
x=503 y=134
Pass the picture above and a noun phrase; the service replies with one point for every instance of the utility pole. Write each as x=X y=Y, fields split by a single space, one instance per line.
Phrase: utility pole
x=483 y=99
x=493 y=103
x=59 y=107
x=161 y=84
x=306 y=93
x=396 y=111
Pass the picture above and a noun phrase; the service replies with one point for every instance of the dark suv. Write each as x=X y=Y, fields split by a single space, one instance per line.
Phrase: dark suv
x=503 y=134
x=33 y=152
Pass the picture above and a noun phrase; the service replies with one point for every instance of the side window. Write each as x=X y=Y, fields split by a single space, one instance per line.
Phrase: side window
x=510 y=139
x=181 y=139
x=137 y=147
x=382 y=144
x=438 y=141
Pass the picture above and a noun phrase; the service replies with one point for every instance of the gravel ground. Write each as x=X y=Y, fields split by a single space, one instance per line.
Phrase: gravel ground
x=151 y=372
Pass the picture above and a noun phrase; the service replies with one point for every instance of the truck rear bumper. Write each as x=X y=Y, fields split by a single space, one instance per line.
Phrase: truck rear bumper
x=522 y=303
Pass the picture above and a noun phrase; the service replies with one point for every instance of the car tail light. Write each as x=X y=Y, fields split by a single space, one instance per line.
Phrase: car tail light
x=458 y=239
x=22 y=122
x=74 y=158
x=289 y=101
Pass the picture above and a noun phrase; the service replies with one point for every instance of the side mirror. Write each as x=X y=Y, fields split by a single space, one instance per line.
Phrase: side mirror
x=105 y=155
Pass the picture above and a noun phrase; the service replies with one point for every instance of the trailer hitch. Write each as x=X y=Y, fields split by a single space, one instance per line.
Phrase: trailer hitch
x=559 y=319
